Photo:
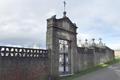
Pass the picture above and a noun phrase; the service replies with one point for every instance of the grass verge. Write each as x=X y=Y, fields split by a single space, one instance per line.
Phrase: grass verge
x=89 y=70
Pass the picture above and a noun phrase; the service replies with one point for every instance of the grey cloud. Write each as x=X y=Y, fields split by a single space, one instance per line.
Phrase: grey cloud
x=23 y=22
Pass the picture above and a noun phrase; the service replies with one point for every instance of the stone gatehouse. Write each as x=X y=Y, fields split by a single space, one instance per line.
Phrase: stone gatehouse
x=66 y=57
x=61 y=58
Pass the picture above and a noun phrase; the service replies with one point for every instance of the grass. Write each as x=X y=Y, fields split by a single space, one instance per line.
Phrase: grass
x=89 y=70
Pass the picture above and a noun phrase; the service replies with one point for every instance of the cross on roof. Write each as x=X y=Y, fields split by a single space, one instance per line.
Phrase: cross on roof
x=64 y=5
x=64 y=13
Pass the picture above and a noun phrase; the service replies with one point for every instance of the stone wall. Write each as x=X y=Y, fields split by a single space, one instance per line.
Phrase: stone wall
x=89 y=57
x=85 y=58
x=103 y=55
x=80 y=58
x=36 y=64
x=23 y=64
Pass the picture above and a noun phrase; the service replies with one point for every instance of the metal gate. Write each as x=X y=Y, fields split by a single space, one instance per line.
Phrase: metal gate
x=64 y=57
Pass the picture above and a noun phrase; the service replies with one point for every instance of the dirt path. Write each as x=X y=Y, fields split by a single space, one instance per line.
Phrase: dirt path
x=110 y=73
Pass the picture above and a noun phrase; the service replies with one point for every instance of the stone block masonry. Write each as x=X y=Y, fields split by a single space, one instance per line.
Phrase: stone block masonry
x=90 y=57
x=66 y=57
x=62 y=58
x=23 y=64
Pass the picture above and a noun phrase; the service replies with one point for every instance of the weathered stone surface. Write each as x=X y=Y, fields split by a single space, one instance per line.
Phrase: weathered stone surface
x=19 y=67
x=61 y=29
x=38 y=64
x=88 y=57
x=80 y=57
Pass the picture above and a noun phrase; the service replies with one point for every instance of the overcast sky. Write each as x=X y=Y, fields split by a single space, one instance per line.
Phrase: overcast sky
x=23 y=22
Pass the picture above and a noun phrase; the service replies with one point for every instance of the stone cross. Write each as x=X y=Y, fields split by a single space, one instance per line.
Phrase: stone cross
x=64 y=13
x=64 y=5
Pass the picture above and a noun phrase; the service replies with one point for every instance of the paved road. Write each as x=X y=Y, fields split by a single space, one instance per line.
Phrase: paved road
x=110 y=73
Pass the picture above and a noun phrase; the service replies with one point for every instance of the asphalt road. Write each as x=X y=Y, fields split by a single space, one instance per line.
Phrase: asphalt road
x=110 y=73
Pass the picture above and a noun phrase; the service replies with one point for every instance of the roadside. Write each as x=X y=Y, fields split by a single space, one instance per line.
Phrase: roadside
x=98 y=71
x=110 y=73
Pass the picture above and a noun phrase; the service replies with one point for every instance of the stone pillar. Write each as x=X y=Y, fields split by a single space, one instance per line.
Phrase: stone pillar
x=51 y=46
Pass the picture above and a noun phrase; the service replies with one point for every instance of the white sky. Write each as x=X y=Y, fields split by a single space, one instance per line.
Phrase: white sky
x=23 y=22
